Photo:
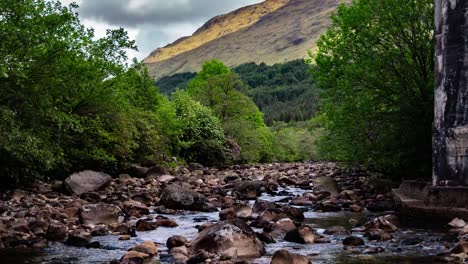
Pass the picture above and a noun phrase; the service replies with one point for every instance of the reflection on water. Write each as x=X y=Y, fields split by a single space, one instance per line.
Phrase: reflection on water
x=330 y=253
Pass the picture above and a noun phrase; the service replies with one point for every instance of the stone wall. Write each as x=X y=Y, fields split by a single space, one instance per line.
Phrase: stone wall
x=451 y=93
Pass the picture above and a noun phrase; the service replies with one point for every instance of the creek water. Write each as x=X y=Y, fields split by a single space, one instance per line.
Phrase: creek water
x=409 y=245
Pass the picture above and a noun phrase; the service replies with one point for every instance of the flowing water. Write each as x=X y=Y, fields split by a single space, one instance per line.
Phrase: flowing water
x=429 y=242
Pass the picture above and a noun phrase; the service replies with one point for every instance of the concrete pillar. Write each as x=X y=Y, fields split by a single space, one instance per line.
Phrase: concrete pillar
x=450 y=145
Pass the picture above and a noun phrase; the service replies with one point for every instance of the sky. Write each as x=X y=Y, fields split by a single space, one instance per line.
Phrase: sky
x=152 y=23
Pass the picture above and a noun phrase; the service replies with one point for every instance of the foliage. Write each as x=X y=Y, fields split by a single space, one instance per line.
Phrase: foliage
x=202 y=139
x=218 y=88
x=283 y=92
x=375 y=65
x=295 y=141
x=68 y=101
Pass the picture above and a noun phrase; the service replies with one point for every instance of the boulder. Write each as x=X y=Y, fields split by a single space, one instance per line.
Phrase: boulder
x=261 y=206
x=86 y=181
x=336 y=230
x=175 y=197
x=144 y=225
x=229 y=234
x=249 y=190
x=101 y=213
x=147 y=247
x=135 y=208
x=326 y=184
x=353 y=241
x=166 y=223
x=78 y=240
x=283 y=256
x=377 y=234
x=301 y=235
x=176 y=241
x=57 y=231
x=156 y=171
x=134 y=257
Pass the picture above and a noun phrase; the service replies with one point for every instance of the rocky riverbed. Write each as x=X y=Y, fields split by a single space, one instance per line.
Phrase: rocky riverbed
x=272 y=213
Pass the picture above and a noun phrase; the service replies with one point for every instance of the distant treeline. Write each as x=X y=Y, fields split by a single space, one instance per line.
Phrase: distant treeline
x=283 y=92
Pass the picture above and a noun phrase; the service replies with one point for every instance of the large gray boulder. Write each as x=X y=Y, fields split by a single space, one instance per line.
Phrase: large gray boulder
x=176 y=197
x=86 y=181
x=95 y=214
x=229 y=235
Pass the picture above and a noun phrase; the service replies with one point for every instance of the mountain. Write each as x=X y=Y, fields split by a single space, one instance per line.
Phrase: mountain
x=273 y=31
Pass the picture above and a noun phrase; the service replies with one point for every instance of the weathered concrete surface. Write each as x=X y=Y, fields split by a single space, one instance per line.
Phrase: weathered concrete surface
x=422 y=200
x=451 y=95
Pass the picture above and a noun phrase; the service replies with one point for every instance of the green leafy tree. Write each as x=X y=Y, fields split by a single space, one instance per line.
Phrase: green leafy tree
x=202 y=139
x=375 y=65
x=218 y=88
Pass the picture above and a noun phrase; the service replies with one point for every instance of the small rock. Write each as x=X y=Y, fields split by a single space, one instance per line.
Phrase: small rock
x=176 y=241
x=147 y=247
x=78 y=240
x=143 y=225
x=134 y=257
x=285 y=257
x=353 y=241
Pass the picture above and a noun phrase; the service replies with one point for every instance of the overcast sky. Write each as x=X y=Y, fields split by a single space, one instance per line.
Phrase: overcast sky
x=152 y=23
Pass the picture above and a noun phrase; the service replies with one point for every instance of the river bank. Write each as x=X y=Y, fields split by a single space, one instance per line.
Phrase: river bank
x=317 y=212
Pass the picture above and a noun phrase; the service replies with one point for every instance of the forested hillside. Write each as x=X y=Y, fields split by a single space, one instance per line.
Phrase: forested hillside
x=283 y=92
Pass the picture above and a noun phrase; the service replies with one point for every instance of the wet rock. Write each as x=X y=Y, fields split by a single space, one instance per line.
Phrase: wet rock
x=261 y=206
x=124 y=237
x=461 y=247
x=280 y=228
x=166 y=223
x=134 y=257
x=56 y=231
x=144 y=225
x=290 y=212
x=86 y=181
x=378 y=235
x=229 y=234
x=95 y=214
x=301 y=235
x=123 y=229
x=336 y=230
x=387 y=223
x=78 y=240
x=21 y=225
x=135 y=208
x=175 y=197
x=355 y=208
x=176 y=241
x=326 y=184
x=457 y=223
x=373 y=250
x=100 y=231
x=353 y=241
x=179 y=254
x=327 y=207
x=147 y=247
x=285 y=257
x=249 y=190
x=200 y=257
x=266 y=237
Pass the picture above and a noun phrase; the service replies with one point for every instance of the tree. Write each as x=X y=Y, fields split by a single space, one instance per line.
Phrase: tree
x=68 y=101
x=375 y=65
x=218 y=88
